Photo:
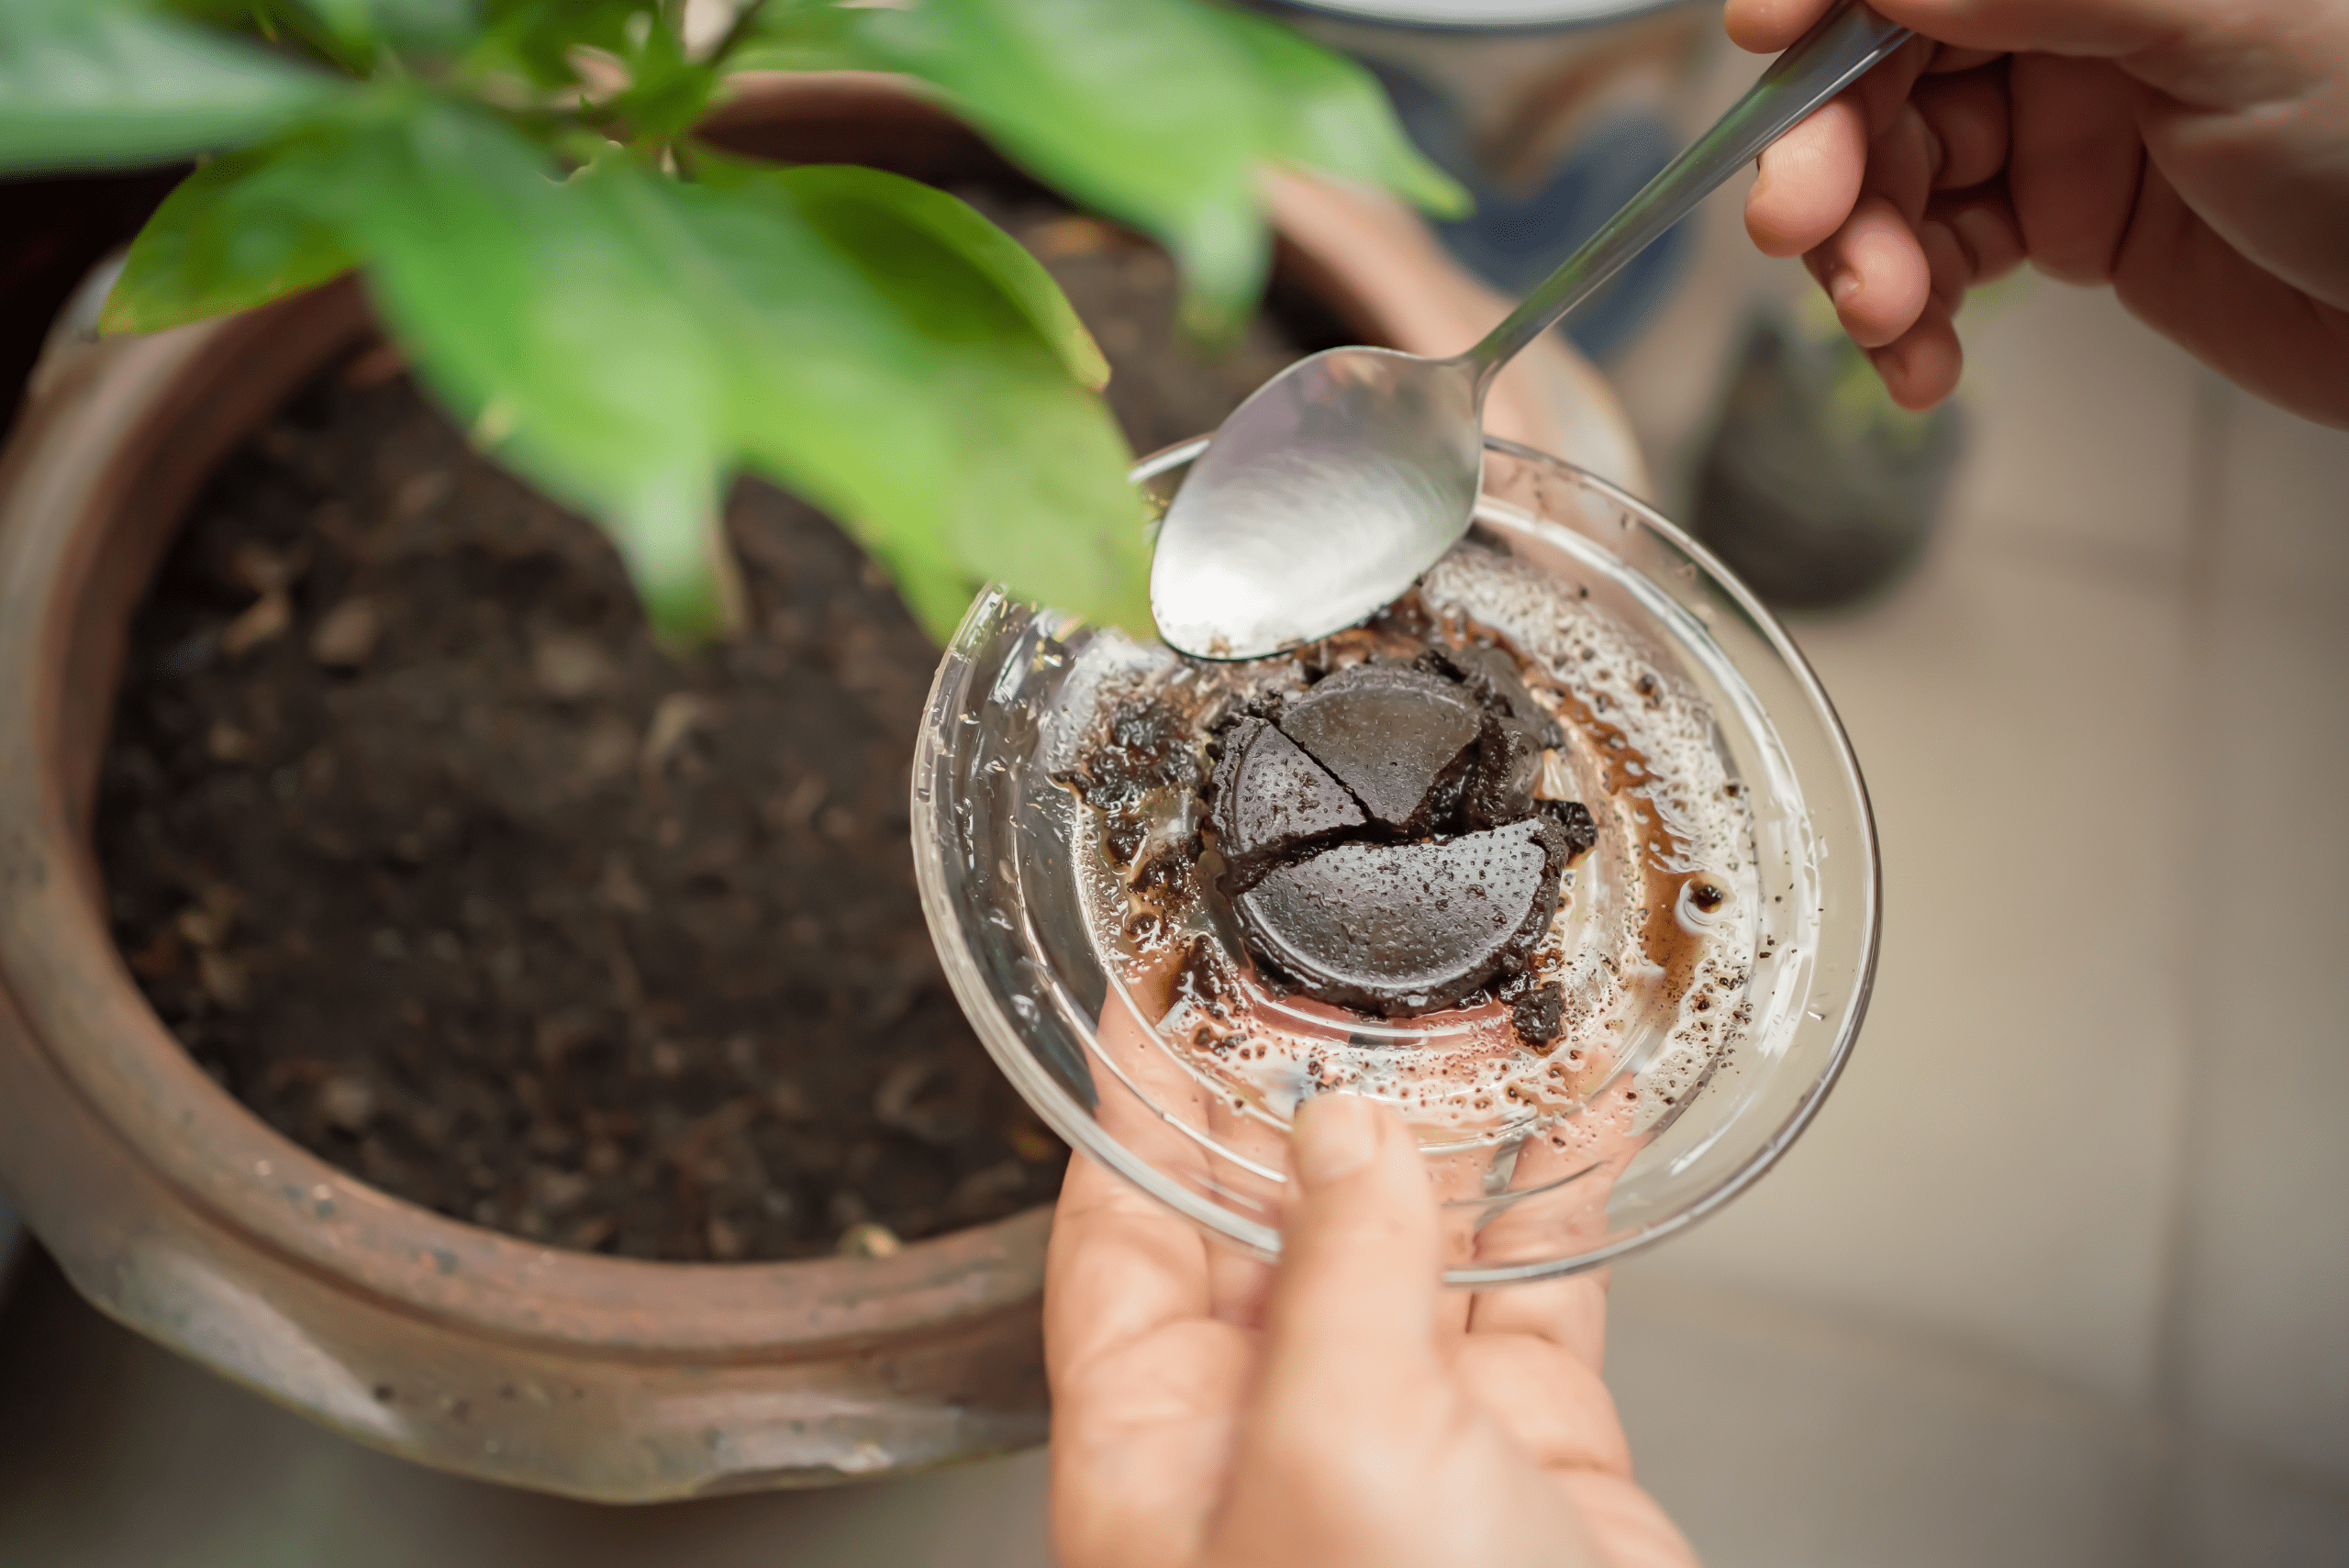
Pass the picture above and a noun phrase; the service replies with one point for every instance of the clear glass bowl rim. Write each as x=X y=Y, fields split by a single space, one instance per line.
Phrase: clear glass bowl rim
x=1000 y=1033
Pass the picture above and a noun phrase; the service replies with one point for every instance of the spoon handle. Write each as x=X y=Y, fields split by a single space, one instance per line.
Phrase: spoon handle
x=1845 y=46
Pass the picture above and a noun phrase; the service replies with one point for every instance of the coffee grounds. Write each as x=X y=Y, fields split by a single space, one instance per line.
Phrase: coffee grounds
x=1539 y=1015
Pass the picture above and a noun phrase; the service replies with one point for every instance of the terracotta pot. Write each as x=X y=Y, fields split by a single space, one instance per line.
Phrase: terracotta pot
x=180 y=1214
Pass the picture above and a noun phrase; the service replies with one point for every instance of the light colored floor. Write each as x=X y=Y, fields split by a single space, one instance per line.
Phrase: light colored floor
x=2060 y=1276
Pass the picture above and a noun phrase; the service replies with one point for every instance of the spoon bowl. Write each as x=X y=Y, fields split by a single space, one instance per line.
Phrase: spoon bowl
x=1346 y=474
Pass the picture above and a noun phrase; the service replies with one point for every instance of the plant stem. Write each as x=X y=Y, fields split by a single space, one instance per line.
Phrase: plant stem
x=745 y=22
x=725 y=577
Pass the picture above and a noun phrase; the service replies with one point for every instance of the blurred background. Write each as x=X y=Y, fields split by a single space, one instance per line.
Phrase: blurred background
x=2061 y=1274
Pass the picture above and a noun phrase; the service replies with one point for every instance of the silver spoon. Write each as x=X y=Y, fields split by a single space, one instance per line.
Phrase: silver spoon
x=1342 y=478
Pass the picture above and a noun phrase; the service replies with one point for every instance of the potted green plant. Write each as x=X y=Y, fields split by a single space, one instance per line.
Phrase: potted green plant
x=625 y=316
x=623 y=312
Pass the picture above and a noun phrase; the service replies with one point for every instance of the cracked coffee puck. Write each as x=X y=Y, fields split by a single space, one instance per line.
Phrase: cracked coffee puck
x=1409 y=927
x=1389 y=733
x=1275 y=800
x=1383 y=847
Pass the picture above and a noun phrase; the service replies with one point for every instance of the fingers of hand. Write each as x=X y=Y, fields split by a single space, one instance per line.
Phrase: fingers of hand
x=1896 y=298
x=2181 y=275
x=1239 y=1287
x=1188 y=1373
x=1359 y=1252
x=1875 y=271
x=1569 y=1313
x=1898 y=287
x=1950 y=58
x=1140 y=1449
x=1866 y=138
x=1982 y=225
x=1809 y=180
x=1637 y=1533
x=1948 y=270
x=1884 y=91
x=1922 y=366
x=1118 y=1266
x=1457 y=1184
x=2074 y=171
x=1967 y=118
x=1902 y=160
x=1552 y=1403
x=1766 y=27
x=1562 y=1185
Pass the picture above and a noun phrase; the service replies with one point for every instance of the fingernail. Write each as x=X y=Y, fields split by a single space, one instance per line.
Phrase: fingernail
x=1334 y=1136
x=1844 y=285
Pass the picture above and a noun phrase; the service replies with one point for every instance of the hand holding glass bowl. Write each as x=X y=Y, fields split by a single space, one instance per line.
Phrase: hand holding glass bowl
x=1672 y=1113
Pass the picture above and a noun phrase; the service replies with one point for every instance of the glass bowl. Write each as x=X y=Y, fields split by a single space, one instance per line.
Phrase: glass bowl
x=1691 y=1094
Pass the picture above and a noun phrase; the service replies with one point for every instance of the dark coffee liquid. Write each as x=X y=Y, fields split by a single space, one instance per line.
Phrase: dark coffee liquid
x=1478 y=857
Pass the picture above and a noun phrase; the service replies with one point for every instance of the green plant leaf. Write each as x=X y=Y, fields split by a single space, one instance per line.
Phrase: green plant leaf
x=994 y=255
x=535 y=37
x=97 y=82
x=1157 y=112
x=625 y=340
x=245 y=229
x=534 y=48
x=667 y=93
x=1033 y=492
x=1142 y=109
x=569 y=349
x=1331 y=115
x=398 y=24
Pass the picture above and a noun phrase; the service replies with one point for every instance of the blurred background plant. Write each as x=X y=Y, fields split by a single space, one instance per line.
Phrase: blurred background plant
x=1818 y=489
x=626 y=315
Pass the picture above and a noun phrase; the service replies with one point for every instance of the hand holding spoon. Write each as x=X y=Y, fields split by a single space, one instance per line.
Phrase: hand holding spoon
x=1342 y=478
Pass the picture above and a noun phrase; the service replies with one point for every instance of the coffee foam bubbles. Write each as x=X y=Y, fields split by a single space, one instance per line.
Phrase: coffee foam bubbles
x=1652 y=944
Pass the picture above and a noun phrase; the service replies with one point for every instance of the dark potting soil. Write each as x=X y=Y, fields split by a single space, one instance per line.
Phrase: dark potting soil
x=435 y=861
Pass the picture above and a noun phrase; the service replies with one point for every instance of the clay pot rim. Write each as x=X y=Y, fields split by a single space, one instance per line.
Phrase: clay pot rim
x=103 y=442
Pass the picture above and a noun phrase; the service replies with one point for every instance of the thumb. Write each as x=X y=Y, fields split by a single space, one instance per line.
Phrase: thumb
x=1360 y=1253
x=1765 y=27
x=2116 y=29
